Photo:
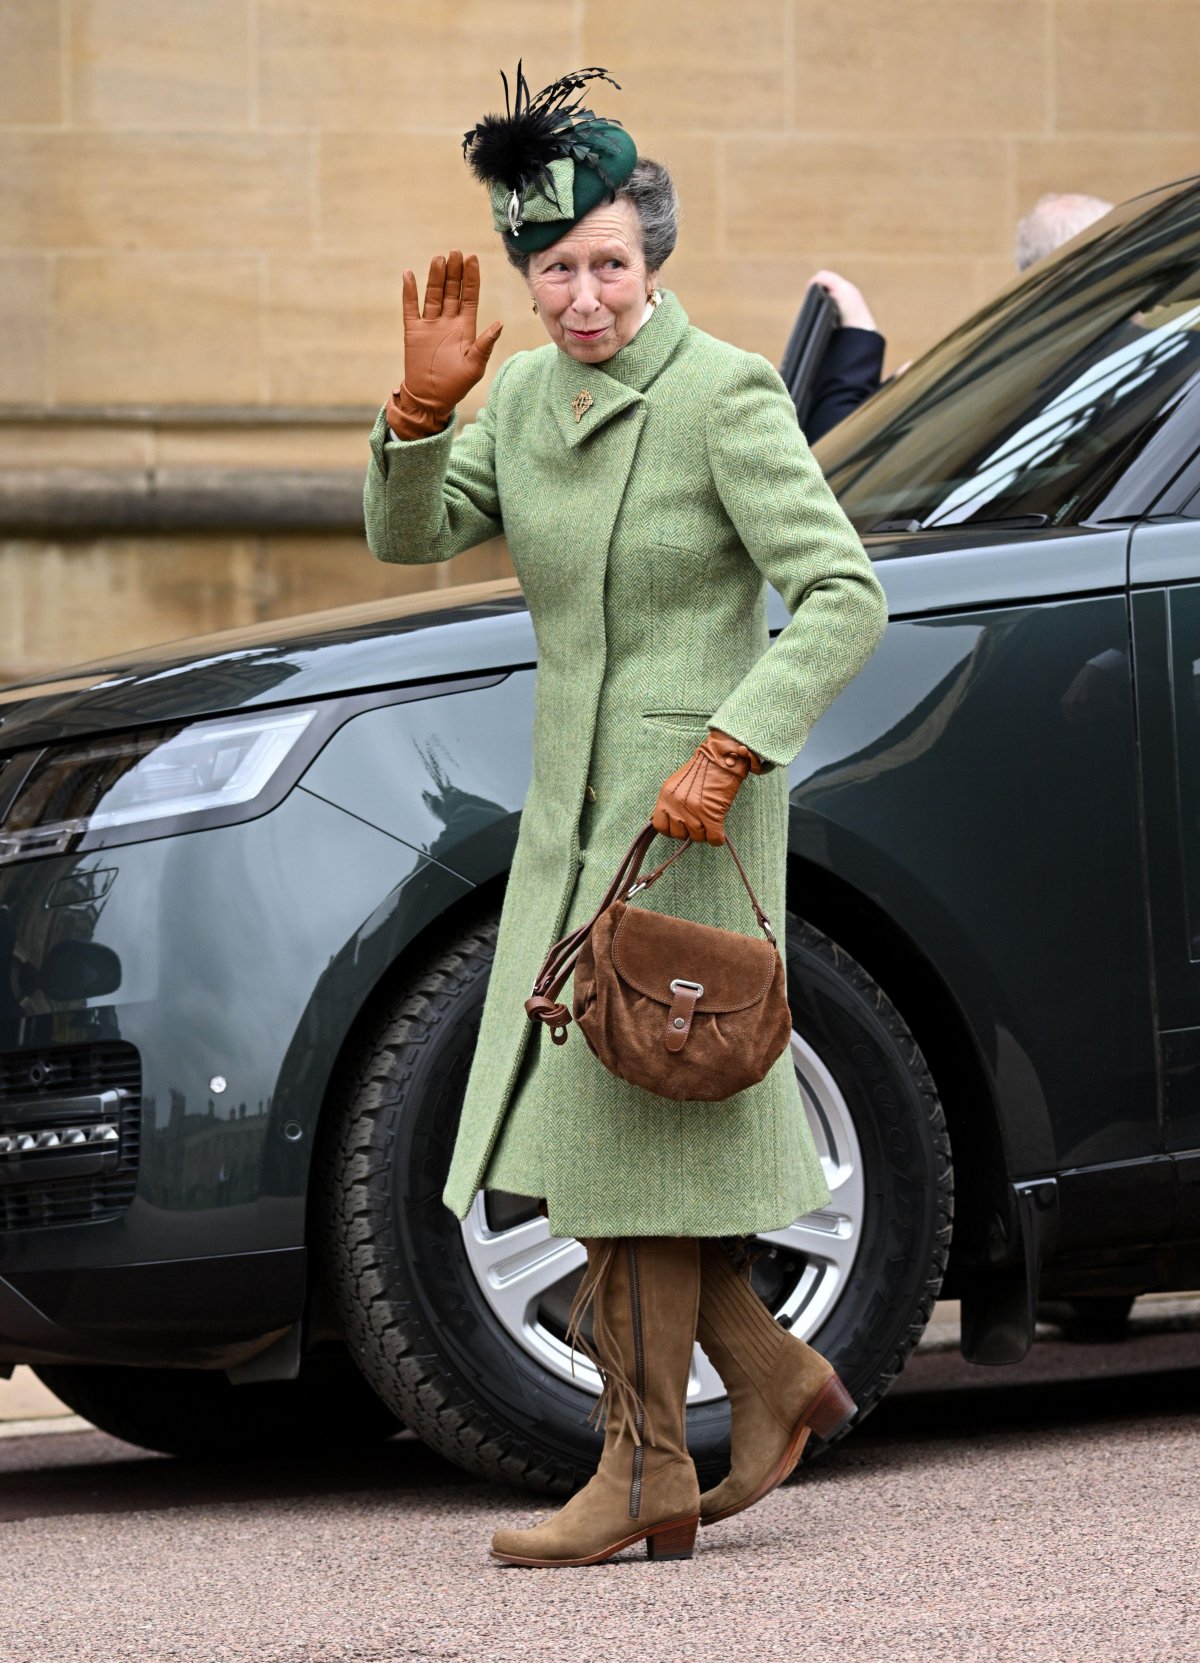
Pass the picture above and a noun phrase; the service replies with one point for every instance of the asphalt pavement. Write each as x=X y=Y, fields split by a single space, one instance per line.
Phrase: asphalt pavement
x=1048 y=1512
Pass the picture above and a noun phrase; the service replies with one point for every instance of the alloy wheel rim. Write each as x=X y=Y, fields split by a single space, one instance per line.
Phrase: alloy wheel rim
x=519 y=1268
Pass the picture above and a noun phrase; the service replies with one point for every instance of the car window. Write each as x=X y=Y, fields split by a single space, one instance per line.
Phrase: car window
x=1025 y=411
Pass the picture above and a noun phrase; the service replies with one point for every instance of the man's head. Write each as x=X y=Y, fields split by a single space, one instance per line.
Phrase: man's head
x=1053 y=220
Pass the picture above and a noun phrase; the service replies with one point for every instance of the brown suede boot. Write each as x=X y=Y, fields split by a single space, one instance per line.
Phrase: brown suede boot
x=647 y=1290
x=779 y=1389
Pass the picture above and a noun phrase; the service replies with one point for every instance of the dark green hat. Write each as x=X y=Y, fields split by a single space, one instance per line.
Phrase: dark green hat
x=547 y=161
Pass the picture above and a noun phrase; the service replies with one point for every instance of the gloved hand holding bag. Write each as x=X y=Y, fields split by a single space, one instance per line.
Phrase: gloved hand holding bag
x=695 y=800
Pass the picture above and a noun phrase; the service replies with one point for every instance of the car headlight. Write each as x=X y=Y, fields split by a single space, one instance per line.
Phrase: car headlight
x=120 y=788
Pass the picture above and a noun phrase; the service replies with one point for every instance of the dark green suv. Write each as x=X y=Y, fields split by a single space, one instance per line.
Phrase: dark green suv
x=249 y=888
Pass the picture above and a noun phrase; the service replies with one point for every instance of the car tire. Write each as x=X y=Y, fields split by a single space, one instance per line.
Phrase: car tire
x=199 y=1412
x=414 y=1313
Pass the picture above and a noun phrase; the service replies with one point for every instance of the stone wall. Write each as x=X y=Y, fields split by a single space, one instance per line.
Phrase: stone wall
x=208 y=203
x=68 y=598
x=70 y=601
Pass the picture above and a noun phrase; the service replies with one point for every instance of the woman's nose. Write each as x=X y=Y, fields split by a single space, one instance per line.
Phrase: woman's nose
x=585 y=298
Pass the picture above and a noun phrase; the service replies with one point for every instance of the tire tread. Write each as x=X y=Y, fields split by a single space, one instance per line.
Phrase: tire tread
x=387 y=1335
x=863 y=983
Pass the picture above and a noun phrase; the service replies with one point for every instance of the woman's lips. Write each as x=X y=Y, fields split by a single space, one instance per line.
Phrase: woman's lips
x=586 y=334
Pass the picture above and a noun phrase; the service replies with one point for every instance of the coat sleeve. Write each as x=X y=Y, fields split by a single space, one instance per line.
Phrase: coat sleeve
x=793 y=529
x=429 y=499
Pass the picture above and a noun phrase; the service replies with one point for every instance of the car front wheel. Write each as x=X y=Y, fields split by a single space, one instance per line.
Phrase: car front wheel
x=460 y=1328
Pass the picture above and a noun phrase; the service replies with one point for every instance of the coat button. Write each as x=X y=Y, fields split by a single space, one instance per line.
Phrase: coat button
x=589 y=792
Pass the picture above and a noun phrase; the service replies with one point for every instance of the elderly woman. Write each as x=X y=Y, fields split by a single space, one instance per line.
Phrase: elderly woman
x=650 y=481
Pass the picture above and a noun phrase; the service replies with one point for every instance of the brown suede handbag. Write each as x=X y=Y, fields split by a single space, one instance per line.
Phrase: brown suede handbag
x=687 y=1011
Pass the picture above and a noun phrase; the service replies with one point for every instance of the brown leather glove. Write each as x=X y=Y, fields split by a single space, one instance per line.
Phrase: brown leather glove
x=442 y=358
x=695 y=800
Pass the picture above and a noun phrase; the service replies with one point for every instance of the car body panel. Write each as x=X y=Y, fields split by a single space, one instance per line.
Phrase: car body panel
x=215 y=1311
x=976 y=761
x=936 y=571
x=450 y=778
x=245 y=952
x=413 y=638
x=1165 y=574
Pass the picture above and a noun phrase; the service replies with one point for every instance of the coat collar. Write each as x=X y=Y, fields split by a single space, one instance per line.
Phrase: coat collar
x=604 y=390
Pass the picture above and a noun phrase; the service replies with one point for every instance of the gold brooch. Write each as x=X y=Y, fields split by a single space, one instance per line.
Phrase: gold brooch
x=581 y=404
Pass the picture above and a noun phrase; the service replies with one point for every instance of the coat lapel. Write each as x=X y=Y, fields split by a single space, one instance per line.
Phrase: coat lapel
x=586 y=397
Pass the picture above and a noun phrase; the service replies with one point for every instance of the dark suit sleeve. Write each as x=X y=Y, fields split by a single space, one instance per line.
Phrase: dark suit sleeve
x=849 y=372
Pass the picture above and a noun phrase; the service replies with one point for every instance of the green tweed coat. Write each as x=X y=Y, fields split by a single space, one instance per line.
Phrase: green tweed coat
x=643 y=534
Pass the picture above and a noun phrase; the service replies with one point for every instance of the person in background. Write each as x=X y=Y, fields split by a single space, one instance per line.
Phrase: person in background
x=1052 y=221
x=852 y=367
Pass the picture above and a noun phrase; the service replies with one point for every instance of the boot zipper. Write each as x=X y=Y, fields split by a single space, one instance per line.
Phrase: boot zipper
x=639 y=1353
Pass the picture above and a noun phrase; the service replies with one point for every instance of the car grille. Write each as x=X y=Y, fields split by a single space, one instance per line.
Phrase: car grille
x=70 y=1125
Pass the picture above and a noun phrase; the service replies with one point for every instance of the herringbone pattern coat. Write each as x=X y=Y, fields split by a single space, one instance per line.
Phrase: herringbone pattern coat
x=643 y=534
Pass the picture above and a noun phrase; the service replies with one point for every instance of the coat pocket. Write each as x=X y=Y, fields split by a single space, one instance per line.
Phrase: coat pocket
x=701 y=550
x=680 y=721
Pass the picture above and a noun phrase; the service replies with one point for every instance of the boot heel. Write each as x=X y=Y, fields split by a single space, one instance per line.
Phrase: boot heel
x=833 y=1409
x=673 y=1541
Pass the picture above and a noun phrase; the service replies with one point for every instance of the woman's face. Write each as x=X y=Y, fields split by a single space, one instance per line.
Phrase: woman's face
x=591 y=285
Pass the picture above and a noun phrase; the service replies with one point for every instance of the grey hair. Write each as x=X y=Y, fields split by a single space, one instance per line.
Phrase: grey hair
x=652 y=192
x=1053 y=220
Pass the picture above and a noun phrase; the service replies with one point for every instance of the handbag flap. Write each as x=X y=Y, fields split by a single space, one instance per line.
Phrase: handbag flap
x=652 y=949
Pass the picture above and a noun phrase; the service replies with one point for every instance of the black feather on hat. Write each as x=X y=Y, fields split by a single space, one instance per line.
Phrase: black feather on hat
x=515 y=150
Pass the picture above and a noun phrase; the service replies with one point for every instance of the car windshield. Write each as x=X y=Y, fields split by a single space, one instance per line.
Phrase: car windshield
x=1023 y=413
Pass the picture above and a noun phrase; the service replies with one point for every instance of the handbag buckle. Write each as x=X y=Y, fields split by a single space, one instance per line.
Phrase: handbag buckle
x=687 y=996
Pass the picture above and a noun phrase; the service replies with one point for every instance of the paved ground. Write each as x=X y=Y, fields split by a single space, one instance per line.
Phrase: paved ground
x=1046 y=1513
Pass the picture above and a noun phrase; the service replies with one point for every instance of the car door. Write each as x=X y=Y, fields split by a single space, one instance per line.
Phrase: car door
x=1064 y=411
x=979 y=780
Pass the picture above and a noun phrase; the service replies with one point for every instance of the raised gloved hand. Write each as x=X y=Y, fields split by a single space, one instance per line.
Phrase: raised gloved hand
x=443 y=359
x=695 y=800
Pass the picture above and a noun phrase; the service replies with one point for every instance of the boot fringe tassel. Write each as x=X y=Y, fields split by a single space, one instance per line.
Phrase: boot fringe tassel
x=618 y=1405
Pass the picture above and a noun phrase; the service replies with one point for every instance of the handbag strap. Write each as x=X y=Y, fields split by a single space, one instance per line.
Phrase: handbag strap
x=560 y=960
x=542 y=1006
x=764 y=922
